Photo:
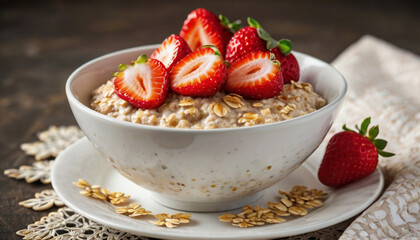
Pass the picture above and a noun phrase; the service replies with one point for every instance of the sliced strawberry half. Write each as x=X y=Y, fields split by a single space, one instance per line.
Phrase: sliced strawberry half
x=144 y=84
x=201 y=28
x=200 y=74
x=255 y=76
x=172 y=49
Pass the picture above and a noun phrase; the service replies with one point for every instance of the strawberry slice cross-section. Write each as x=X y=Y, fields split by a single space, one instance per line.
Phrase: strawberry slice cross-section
x=144 y=83
x=172 y=49
x=202 y=27
x=200 y=74
x=255 y=76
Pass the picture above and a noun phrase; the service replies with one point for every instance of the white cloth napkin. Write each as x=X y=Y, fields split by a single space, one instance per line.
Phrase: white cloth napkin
x=384 y=83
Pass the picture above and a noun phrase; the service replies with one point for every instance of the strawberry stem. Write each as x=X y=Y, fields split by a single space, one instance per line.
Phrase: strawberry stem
x=122 y=67
x=273 y=58
x=141 y=59
x=215 y=49
x=284 y=45
x=364 y=126
x=373 y=132
x=348 y=129
x=232 y=26
x=253 y=23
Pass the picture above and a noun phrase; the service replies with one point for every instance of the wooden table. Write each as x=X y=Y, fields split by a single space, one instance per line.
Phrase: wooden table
x=42 y=42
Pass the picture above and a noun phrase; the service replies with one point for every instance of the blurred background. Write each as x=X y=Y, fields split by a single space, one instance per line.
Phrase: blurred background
x=42 y=42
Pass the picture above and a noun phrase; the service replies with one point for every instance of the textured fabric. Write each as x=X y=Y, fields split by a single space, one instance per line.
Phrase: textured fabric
x=384 y=83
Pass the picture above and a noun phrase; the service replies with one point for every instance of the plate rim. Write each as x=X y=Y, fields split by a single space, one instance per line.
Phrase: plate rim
x=179 y=235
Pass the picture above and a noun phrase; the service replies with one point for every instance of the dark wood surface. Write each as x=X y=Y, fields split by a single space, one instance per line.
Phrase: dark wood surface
x=42 y=42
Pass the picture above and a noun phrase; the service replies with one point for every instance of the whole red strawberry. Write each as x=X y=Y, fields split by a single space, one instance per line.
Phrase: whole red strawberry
x=243 y=42
x=351 y=156
x=254 y=38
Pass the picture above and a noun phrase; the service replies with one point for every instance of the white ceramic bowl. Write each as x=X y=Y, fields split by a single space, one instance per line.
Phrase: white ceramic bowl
x=203 y=170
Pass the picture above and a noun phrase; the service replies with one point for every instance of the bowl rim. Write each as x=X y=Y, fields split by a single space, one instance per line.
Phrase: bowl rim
x=285 y=123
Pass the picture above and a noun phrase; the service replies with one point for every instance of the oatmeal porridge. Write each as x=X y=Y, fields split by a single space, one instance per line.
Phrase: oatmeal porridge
x=219 y=111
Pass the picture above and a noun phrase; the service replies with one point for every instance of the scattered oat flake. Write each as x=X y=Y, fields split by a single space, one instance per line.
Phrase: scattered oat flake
x=257 y=104
x=285 y=116
x=52 y=141
x=291 y=106
x=43 y=201
x=96 y=191
x=191 y=111
x=307 y=87
x=233 y=101
x=38 y=171
x=252 y=216
x=236 y=95
x=265 y=111
x=171 y=220
x=56 y=226
x=186 y=103
x=219 y=109
x=133 y=210
x=296 y=202
x=248 y=117
x=296 y=84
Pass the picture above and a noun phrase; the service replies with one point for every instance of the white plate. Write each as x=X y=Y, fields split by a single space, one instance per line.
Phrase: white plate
x=81 y=160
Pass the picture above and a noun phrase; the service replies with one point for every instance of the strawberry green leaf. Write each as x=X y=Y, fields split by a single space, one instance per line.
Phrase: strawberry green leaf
x=345 y=128
x=226 y=63
x=373 y=133
x=385 y=154
x=364 y=126
x=285 y=46
x=264 y=35
x=360 y=131
x=253 y=23
x=271 y=44
x=277 y=63
x=141 y=59
x=122 y=67
x=235 y=26
x=272 y=56
x=223 y=20
x=215 y=49
x=232 y=26
x=379 y=143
